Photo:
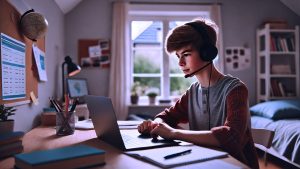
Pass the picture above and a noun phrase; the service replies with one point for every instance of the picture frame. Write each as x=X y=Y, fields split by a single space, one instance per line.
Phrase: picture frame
x=104 y=45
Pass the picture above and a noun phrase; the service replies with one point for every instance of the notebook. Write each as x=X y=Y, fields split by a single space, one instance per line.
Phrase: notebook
x=88 y=124
x=107 y=129
x=197 y=154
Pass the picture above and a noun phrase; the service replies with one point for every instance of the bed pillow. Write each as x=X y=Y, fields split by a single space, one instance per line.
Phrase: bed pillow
x=276 y=110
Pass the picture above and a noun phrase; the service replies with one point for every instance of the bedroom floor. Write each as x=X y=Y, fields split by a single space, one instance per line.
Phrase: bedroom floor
x=273 y=162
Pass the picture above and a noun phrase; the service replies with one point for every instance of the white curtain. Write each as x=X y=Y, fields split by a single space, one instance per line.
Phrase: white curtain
x=216 y=17
x=119 y=80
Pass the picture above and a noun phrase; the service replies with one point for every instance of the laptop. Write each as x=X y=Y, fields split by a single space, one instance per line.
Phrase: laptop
x=107 y=129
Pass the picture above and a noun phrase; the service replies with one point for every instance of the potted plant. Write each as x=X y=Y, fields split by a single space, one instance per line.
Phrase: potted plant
x=134 y=97
x=6 y=125
x=152 y=97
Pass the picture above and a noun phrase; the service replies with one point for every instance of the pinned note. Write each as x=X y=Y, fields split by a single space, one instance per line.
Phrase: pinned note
x=33 y=98
x=39 y=57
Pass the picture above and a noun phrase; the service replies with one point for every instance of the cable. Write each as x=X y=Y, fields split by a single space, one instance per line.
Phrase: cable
x=207 y=98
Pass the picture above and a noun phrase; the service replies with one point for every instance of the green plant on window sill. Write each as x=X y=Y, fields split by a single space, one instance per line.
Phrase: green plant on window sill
x=152 y=94
x=152 y=97
x=134 y=89
x=134 y=96
x=5 y=112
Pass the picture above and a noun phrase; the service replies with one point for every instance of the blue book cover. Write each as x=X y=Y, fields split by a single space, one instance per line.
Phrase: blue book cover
x=57 y=155
x=10 y=137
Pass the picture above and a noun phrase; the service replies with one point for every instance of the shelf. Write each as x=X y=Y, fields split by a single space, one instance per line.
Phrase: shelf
x=263 y=76
x=264 y=53
x=150 y=105
x=277 y=47
x=282 y=97
x=283 y=75
x=282 y=31
x=262 y=97
x=282 y=53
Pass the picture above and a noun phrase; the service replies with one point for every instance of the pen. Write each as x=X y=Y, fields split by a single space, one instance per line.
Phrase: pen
x=74 y=105
x=178 y=154
x=66 y=104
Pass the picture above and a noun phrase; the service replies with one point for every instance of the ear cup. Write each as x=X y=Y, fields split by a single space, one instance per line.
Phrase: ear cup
x=207 y=50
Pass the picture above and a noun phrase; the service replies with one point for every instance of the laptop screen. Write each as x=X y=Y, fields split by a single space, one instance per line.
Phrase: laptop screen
x=106 y=127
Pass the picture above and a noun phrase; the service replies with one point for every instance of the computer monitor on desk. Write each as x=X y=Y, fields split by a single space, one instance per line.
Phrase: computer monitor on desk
x=77 y=88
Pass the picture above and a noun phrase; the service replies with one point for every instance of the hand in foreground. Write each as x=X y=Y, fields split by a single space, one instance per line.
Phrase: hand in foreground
x=147 y=126
x=163 y=130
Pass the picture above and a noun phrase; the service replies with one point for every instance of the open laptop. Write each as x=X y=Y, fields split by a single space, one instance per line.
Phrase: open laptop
x=107 y=129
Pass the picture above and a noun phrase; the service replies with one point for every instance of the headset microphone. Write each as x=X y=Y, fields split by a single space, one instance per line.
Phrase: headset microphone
x=198 y=70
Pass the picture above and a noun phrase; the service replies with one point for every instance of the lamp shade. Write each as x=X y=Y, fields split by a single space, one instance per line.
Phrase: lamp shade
x=73 y=69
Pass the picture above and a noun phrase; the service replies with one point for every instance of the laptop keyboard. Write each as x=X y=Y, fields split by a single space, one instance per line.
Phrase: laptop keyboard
x=132 y=141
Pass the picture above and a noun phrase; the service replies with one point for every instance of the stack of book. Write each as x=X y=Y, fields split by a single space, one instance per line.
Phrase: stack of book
x=277 y=88
x=76 y=156
x=11 y=143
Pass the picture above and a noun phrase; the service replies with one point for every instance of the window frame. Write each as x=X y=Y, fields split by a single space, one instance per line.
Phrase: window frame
x=165 y=13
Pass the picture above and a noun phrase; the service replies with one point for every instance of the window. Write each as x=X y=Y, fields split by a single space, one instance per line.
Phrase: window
x=152 y=67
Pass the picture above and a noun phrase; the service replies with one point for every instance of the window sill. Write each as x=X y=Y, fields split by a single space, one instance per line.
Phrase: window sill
x=147 y=105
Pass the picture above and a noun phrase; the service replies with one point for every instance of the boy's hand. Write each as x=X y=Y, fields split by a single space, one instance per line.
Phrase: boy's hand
x=147 y=126
x=164 y=130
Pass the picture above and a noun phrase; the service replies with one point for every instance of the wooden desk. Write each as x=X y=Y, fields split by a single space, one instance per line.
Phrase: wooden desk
x=42 y=138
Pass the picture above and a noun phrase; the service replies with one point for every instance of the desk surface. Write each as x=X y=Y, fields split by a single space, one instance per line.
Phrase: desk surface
x=42 y=138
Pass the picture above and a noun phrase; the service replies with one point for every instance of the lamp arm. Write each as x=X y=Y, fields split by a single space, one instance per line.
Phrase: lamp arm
x=63 y=80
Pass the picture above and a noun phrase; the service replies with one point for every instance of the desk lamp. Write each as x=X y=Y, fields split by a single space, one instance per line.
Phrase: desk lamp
x=72 y=69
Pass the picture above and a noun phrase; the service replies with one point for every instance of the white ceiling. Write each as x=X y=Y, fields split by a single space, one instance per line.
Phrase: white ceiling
x=294 y=5
x=68 y=5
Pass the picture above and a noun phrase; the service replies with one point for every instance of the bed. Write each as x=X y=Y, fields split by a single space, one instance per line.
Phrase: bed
x=283 y=117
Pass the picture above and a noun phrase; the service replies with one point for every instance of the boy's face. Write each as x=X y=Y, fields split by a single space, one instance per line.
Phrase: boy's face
x=188 y=59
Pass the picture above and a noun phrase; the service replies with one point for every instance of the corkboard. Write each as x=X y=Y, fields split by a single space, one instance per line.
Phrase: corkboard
x=9 y=18
x=83 y=47
x=83 y=51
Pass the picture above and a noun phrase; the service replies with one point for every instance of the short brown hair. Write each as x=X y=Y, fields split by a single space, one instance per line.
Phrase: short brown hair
x=185 y=35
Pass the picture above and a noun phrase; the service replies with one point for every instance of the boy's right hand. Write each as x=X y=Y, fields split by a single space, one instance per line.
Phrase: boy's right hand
x=147 y=126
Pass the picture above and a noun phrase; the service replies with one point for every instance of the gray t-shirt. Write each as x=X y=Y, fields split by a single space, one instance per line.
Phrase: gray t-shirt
x=198 y=110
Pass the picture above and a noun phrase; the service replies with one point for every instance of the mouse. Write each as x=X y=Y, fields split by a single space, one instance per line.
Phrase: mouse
x=145 y=135
x=154 y=139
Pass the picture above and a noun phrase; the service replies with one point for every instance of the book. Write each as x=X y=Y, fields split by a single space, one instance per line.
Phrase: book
x=159 y=156
x=11 y=149
x=10 y=137
x=129 y=124
x=77 y=156
x=5 y=147
x=84 y=124
x=273 y=46
x=281 y=88
x=275 y=87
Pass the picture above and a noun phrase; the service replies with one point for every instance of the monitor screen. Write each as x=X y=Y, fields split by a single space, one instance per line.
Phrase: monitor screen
x=77 y=87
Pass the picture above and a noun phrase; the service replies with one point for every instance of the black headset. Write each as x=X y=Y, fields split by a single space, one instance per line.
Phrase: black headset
x=207 y=50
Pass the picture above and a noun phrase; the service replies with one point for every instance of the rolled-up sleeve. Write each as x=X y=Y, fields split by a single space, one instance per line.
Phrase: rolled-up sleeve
x=232 y=135
x=177 y=113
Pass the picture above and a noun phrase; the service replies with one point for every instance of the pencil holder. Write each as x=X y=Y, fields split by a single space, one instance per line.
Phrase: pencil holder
x=65 y=123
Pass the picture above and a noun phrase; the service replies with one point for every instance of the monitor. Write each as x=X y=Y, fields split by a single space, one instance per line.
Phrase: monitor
x=77 y=88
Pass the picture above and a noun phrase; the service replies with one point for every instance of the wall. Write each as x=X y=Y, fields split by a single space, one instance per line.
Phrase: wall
x=240 y=21
x=27 y=115
x=92 y=19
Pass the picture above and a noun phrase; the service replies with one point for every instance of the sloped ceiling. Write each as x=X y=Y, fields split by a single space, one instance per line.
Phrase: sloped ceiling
x=67 y=5
x=294 y=5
